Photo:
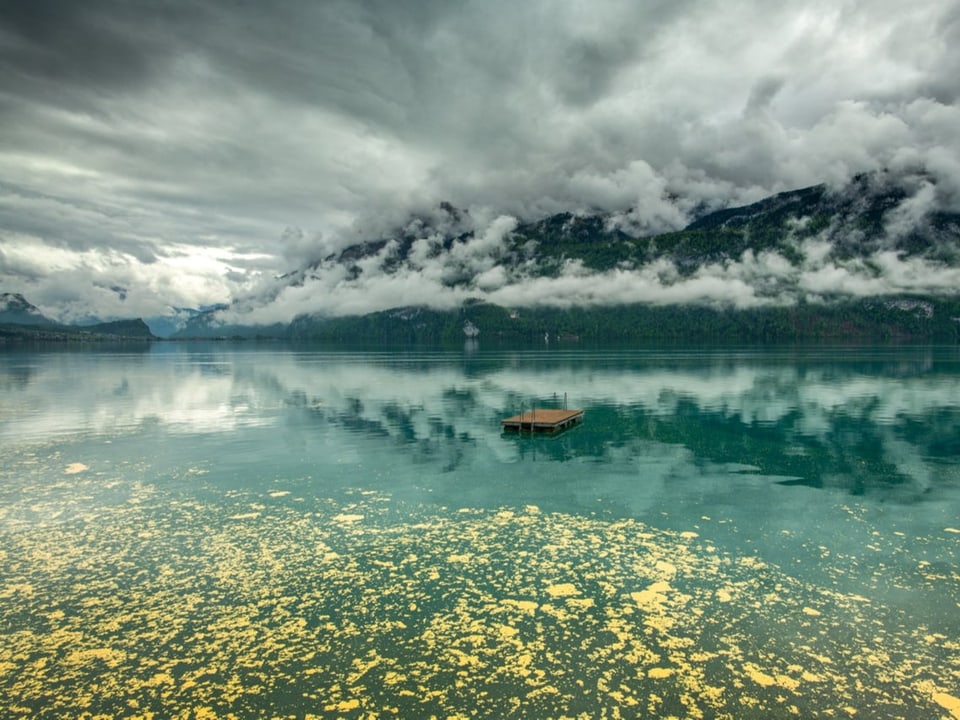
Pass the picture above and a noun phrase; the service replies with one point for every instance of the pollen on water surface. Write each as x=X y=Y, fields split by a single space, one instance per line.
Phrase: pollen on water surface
x=264 y=605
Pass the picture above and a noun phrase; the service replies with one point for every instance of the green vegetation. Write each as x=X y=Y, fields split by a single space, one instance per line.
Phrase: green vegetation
x=120 y=330
x=852 y=220
x=852 y=223
x=927 y=319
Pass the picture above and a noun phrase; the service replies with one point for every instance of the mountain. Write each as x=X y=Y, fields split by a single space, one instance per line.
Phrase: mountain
x=859 y=320
x=20 y=321
x=178 y=317
x=879 y=255
x=873 y=213
x=14 y=308
x=208 y=324
x=122 y=328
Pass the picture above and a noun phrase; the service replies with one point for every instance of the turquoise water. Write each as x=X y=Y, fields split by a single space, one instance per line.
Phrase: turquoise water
x=239 y=531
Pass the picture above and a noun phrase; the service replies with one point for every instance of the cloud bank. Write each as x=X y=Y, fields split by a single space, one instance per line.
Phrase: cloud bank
x=752 y=280
x=187 y=152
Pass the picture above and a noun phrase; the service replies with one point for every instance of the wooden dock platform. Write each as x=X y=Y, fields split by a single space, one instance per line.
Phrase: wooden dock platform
x=542 y=420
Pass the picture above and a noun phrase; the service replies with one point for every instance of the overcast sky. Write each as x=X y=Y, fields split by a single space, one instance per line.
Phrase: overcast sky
x=179 y=153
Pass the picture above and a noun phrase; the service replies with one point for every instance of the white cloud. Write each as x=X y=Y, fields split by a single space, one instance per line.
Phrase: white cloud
x=216 y=126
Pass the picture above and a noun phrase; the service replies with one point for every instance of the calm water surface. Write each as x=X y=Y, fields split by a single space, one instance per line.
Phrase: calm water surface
x=239 y=531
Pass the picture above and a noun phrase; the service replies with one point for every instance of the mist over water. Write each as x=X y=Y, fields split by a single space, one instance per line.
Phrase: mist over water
x=736 y=532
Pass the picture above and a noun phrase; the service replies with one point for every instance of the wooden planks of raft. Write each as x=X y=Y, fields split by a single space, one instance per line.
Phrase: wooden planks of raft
x=542 y=420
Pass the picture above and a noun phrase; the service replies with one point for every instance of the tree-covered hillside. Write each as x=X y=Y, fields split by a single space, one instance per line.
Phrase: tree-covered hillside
x=858 y=219
x=863 y=320
x=855 y=220
x=877 y=257
x=115 y=331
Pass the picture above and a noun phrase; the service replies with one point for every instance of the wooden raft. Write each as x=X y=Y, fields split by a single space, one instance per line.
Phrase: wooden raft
x=541 y=420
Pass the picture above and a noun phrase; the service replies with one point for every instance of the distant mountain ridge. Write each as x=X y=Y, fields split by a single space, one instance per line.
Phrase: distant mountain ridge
x=135 y=328
x=14 y=308
x=176 y=318
x=882 y=236
x=876 y=257
x=857 y=218
x=22 y=321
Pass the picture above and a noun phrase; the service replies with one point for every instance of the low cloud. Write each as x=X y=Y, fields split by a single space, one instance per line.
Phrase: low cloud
x=441 y=274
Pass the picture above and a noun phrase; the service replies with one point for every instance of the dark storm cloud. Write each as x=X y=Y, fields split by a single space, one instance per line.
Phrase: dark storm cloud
x=171 y=144
x=65 y=43
x=60 y=51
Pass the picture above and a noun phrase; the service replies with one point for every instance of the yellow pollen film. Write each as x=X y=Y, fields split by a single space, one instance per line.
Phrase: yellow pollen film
x=374 y=607
x=347 y=518
x=562 y=590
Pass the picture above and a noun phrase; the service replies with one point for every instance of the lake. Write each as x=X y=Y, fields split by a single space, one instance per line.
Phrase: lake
x=233 y=530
